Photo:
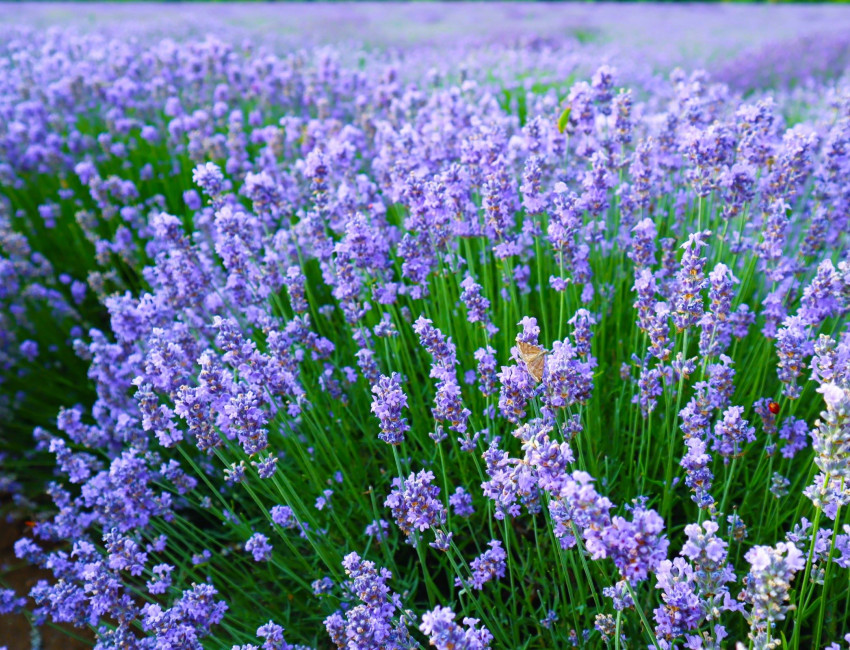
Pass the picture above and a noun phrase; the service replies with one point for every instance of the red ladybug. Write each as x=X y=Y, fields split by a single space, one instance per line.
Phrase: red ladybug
x=773 y=407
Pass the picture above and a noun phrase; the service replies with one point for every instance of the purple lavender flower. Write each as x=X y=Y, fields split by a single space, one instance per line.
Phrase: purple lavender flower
x=415 y=504
x=548 y=458
x=477 y=306
x=387 y=405
x=510 y=484
x=442 y=541
x=448 y=405
x=235 y=473
x=731 y=433
x=831 y=443
x=831 y=360
x=796 y=434
x=779 y=485
x=681 y=611
x=721 y=385
x=209 y=178
x=602 y=83
x=266 y=467
x=161 y=580
x=550 y=619
x=438 y=345
x=642 y=252
x=580 y=508
x=649 y=385
x=619 y=594
x=247 y=421
x=582 y=321
x=490 y=565
x=368 y=365
x=295 y=286
x=323 y=501
x=699 y=477
x=461 y=503
x=190 y=617
x=258 y=546
x=534 y=198
x=707 y=149
x=623 y=124
x=737 y=527
x=695 y=591
x=322 y=587
x=201 y=558
x=658 y=327
x=444 y=634
x=606 y=626
x=10 y=603
x=282 y=516
x=775 y=227
x=486 y=370
x=768 y=585
x=708 y=555
x=737 y=185
x=688 y=305
x=377 y=529
x=370 y=623
x=568 y=379
x=517 y=387
x=124 y=554
x=646 y=289
x=823 y=297
x=792 y=346
x=637 y=547
x=716 y=332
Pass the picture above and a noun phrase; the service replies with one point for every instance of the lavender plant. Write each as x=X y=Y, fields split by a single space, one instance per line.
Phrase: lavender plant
x=262 y=316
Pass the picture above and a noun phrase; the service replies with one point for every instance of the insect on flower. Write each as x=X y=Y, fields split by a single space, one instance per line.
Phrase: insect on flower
x=773 y=407
x=564 y=119
x=534 y=358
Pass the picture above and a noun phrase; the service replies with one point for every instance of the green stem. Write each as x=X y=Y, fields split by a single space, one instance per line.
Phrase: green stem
x=643 y=619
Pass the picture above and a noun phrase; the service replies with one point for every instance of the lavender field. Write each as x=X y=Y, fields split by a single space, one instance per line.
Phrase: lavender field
x=366 y=327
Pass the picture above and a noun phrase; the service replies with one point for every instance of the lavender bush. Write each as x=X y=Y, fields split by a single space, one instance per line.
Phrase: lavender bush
x=501 y=343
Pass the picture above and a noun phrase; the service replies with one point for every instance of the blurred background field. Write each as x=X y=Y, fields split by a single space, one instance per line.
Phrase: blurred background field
x=745 y=45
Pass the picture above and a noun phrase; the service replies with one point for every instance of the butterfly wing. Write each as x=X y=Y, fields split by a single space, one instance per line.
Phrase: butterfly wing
x=534 y=358
x=535 y=366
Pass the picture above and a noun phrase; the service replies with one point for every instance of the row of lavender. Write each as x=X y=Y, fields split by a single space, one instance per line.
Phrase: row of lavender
x=279 y=303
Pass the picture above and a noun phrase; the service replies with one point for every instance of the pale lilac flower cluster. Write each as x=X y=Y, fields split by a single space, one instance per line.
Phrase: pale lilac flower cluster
x=444 y=634
x=831 y=443
x=768 y=586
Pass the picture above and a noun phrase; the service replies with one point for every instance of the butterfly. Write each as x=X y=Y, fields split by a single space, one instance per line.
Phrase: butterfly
x=534 y=358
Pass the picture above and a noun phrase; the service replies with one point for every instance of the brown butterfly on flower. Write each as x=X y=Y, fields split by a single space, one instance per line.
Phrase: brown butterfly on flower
x=534 y=358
